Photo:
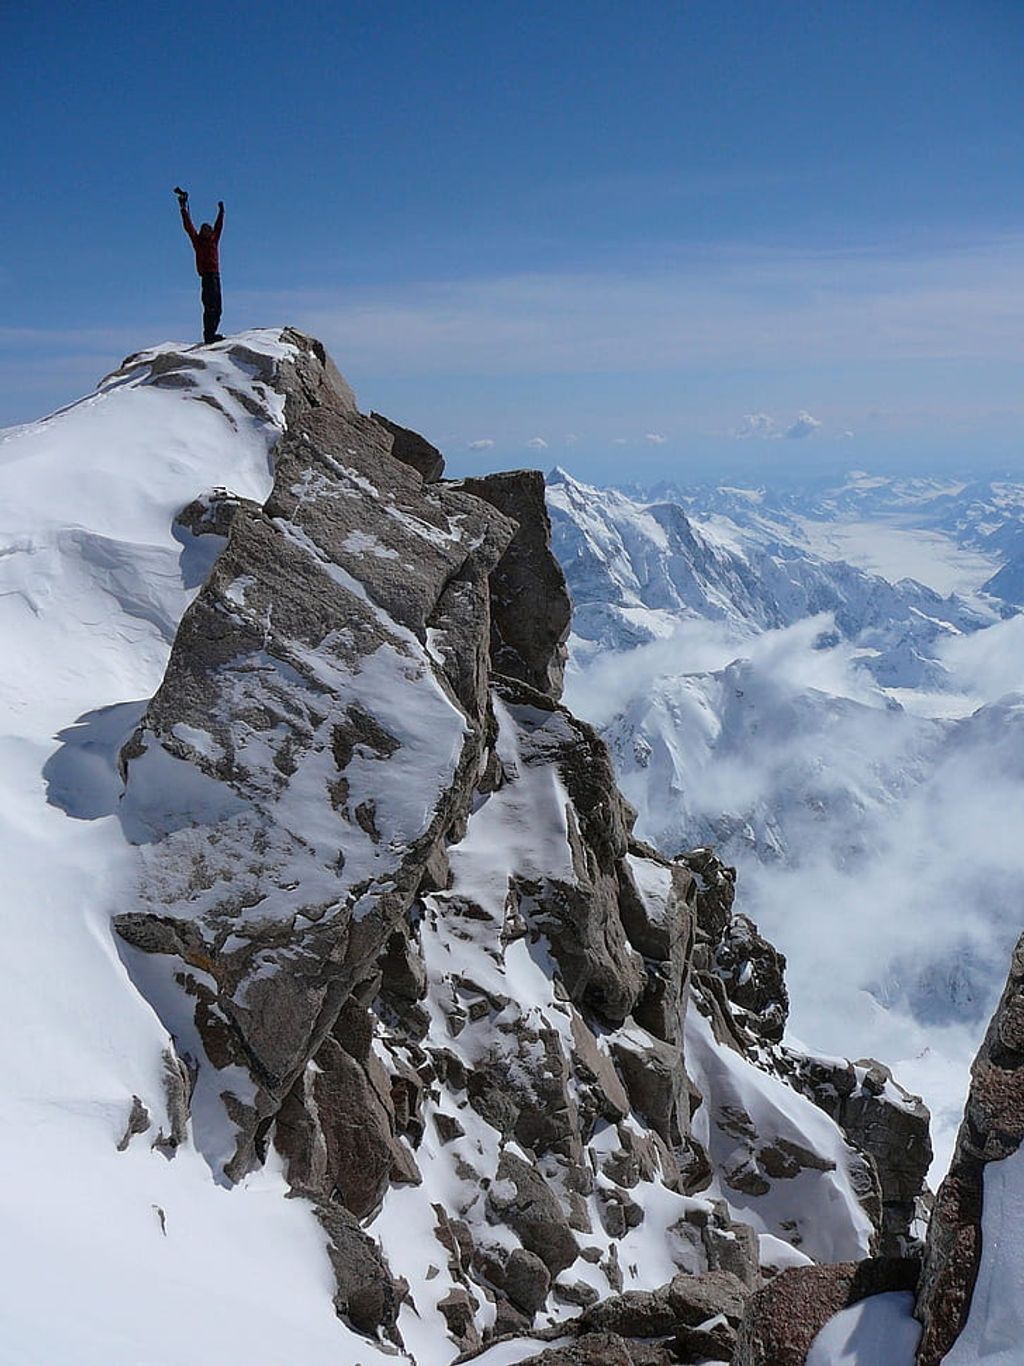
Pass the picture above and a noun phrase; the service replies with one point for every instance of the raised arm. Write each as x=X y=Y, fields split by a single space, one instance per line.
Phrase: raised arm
x=220 y=220
x=186 y=221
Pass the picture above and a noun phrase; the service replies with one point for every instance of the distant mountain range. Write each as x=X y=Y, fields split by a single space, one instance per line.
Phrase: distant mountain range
x=985 y=515
x=853 y=742
x=636 y=569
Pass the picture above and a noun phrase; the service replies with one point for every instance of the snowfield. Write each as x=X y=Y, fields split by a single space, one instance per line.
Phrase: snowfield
x=92 y=586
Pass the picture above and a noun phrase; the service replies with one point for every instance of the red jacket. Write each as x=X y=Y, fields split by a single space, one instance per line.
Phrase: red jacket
x=207 y=249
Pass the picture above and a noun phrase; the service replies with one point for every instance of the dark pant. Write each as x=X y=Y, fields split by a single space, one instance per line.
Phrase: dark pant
x=211 y=306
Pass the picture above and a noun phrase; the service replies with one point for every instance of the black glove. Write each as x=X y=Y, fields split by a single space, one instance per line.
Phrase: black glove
x=220 y=203
x=182 y=194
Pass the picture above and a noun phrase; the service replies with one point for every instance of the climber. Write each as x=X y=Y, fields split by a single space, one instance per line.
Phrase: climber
x=206 y=242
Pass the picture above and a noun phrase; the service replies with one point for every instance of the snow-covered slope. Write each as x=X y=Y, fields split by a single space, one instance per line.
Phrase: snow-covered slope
x=93 y=584
x=981 y=515
x=384 y=940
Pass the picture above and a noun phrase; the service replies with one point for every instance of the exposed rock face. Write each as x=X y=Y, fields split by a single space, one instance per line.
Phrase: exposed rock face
x=751 y=971
x=339 y=1128
x=783 y=1319
x=303 y=655
x=413 y=449
x=530 y=607
x=580 y=911
x=885 y=1122
x=391 y=910
x=992 y=1129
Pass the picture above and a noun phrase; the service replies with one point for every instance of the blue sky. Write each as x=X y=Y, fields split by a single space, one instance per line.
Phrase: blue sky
x=641 y=240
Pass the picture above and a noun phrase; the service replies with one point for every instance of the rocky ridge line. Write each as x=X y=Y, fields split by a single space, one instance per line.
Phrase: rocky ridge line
x=393 y=915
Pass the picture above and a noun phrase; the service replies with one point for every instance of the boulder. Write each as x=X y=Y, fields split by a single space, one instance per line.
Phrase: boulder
x=526 y=1280
x=212 y=514
x=655 y=1080
x=367 y=1297
x=521 y=1198
x=458 y=1308
x=593 y=1349
x=685 y=1302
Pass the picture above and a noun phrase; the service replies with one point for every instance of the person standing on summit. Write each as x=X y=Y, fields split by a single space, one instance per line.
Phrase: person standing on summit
x=207 y=247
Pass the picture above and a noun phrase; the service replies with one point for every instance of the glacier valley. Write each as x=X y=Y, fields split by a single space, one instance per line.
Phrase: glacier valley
x=827 y=683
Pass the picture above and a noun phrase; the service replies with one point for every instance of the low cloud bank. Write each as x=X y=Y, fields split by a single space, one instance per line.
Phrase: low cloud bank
x=878 y=846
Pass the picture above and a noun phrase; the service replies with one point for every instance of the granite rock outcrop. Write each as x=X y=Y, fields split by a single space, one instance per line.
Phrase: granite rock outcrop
x=391 y=910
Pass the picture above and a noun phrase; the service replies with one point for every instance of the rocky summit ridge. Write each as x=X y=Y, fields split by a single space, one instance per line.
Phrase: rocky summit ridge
x=528 y=1072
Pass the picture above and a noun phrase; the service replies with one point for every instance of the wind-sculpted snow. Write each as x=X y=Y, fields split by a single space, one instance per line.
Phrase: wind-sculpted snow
x=756 y=1129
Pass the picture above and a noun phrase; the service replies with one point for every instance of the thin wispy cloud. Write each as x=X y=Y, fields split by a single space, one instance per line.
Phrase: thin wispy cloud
x=892 y=320
x=655 y=438
x=743 y=307
x=485 y=443
x=537 y=443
